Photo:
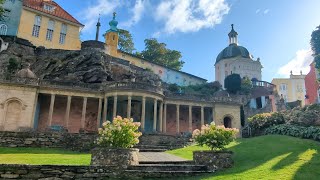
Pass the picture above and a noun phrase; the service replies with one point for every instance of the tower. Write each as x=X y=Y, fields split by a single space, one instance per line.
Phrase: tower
x=233 y=36
x=112 y=37
x=98 y=29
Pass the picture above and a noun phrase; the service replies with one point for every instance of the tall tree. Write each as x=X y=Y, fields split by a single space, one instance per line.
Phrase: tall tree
x=125 y=41
x=233 y=83
x=159 y=53
x=2 y=10
x=315 y=41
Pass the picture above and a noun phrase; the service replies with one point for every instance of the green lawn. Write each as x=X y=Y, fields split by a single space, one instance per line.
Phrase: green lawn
x=267 y=157
x=43 y=156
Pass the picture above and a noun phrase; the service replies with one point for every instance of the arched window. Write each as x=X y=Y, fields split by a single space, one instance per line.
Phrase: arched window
x=3 y=29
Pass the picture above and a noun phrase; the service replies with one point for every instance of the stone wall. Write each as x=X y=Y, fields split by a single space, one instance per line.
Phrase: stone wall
x=231 y=111
x=78 y=142
x=213 y=160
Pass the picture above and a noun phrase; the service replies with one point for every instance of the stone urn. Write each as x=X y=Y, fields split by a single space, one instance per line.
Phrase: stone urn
x=214 y=160
x=120 y=157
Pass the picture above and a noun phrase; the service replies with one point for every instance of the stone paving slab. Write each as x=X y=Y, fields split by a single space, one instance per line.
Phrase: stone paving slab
x=158 y=156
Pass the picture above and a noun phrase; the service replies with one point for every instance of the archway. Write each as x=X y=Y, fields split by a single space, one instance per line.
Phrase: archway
x=227 y=122
x=13 y=115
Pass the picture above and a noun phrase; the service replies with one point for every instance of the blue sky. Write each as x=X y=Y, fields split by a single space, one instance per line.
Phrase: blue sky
x=277 y=31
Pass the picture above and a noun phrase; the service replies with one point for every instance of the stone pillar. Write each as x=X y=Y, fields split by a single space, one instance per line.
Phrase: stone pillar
x=160 y=116
x=99 y=113
x=202 y=115
x=143 y=113
x=129 y=107
x=67 y=114
x=53 y=96
x=155 y=114
x=105 y=109
x=165 y=118
x=115 y=104
x=84 y=112
x=213 y=114
x=190 y=118
x=178 y=119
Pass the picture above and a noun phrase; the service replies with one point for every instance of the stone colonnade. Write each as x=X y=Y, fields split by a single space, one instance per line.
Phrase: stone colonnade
x=159 y=110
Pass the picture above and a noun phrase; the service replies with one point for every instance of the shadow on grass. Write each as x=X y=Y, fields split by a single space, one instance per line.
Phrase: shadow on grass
x=258 y=151
x=21 y=150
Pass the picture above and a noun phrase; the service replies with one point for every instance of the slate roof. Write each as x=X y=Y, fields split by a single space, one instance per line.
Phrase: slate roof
x=233 y=50
x=57 y=12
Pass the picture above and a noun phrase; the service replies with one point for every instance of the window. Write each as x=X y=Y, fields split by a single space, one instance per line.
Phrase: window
x=283 y=87
x=48 y=7
x=36 y=26
x=63 y=34
x=3 y=29
x=50 y=30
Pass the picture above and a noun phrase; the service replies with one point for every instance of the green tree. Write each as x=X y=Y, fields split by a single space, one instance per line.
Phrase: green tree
x=246 y=85
x=315 y=41
x=232 y=83
x=125 y=41
x=159 y=53
x=2 y=10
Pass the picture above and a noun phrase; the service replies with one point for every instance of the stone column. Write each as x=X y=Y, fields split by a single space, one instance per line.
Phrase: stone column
x=99 y=113
x=165 y=118
x=129 y=107
x=143 y=113
x=202 y=115
x=160 y=116
x=53 y=96
x=190 y=118
x=213 y=114
x=105 y=109
x=84 y=112
x=115 y=104
x=155 y=115
x=178 y=119
x=67 y=114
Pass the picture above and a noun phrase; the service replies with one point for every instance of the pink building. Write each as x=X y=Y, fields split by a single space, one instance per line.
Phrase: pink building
x=312 y=85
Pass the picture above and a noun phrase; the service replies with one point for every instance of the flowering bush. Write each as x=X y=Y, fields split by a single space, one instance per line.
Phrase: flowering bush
x=259 y=122
x=121 y=133
x=215 y=137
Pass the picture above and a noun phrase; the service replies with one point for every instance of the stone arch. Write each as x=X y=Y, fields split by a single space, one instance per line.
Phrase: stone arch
x=227 y=121
x=13 y=109
x=3 y=29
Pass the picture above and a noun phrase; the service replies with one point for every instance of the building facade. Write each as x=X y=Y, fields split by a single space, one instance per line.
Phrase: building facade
x=9 y=26
x=43 y=23
x=236 y=59
x=291 y=89
x=312 y=85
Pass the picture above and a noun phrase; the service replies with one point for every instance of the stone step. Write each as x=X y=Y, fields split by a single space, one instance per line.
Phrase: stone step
x=151 y=147
x=152 y=150
x=165 y=174
x=167 y=162
x=168 y=167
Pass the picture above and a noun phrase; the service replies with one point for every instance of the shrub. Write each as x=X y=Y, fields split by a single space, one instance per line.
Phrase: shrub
x=306 y=116
x=233 y=83
x=261 y=121
x=215 y=137
x=121 y=133
x=295 y=131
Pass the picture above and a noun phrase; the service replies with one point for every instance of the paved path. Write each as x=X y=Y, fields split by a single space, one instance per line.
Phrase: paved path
x=158 y=156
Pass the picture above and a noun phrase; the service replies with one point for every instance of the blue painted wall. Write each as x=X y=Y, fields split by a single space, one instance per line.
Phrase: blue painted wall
x=13 y=10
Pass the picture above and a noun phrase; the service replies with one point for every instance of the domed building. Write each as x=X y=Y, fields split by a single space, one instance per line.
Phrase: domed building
x=236 y=59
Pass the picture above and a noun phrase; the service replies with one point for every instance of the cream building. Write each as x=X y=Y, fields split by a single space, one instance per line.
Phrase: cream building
x=291 y=89
x=236 y=59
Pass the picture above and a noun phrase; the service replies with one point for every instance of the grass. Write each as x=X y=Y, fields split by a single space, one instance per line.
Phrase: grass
x=267 y=157
x=42 y=156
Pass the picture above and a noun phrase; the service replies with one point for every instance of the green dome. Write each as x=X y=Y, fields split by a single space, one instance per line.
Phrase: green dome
x=233 y=50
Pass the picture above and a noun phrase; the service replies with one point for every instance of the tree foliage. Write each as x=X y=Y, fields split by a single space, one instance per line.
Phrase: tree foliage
x=159 y=53
x=125 y=41
x=232 y=83
x=315 y=41
x=2 y=11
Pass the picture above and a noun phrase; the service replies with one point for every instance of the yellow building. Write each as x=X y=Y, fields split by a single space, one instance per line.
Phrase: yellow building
x=291 y=89
x=45 y=23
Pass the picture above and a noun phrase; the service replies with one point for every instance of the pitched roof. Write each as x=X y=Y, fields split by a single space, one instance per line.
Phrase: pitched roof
x=57 y=12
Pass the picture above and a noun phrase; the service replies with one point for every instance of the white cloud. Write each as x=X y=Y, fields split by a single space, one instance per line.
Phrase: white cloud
x=137 y=12
x=190 y=15
x=301 y=62
x=258 y=10
x=266 y=11
x=91 y=14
